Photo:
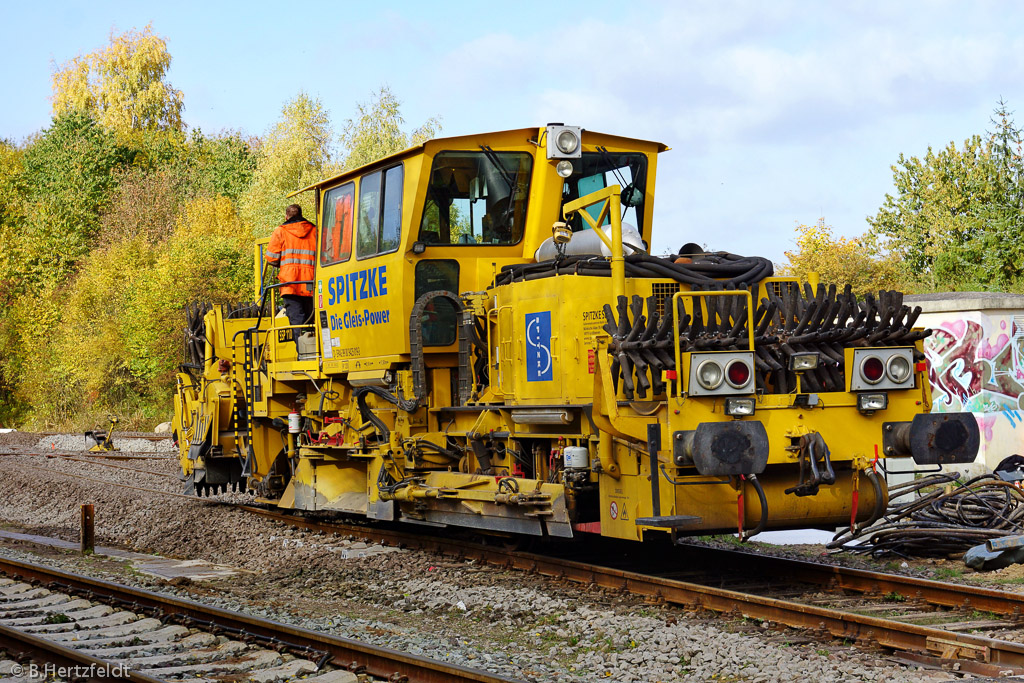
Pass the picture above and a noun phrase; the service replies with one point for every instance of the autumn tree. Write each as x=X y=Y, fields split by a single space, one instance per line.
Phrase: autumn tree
x=12 y=210
x=295 y=153
x=12 y=191
x=376 y=131
x=840 y=260
x=124 y=84
x=110 y=224
x=12 y=185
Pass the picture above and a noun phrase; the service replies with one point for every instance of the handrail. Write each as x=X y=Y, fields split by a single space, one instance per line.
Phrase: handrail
x=678 y=296
x=263 y=301
x=612 y=210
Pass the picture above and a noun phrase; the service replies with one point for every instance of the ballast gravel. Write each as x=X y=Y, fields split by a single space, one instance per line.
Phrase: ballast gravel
x=126 y=444
x=512 y=623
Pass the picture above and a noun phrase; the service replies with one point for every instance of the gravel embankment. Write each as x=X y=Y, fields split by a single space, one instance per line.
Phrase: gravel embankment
x=508 y=622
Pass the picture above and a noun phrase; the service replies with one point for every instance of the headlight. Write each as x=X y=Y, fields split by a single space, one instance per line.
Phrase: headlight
x=709 y=375
x=564 y=168
x=898 y=368
x=737 y=374
x=564 y=142
x=872 y=402
x=882 y=369
x=872 y=369
x=799 y=362
x=737 y=407
x=567 y=141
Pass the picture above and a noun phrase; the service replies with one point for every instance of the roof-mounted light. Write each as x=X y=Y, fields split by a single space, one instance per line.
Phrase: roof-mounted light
x=564 y=142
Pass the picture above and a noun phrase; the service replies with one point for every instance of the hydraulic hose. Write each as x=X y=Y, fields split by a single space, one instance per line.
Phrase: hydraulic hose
x=752 y=478
x=367 y=414
x=879 y=509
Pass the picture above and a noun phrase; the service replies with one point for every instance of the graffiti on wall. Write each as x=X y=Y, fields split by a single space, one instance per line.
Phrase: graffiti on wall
x=977 y=366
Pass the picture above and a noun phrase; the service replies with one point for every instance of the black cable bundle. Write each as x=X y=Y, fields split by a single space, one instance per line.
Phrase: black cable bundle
x=706 y=271
x=364 y=410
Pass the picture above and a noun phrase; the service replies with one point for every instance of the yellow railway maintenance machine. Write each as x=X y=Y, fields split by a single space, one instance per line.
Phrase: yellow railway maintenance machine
x=494 y=348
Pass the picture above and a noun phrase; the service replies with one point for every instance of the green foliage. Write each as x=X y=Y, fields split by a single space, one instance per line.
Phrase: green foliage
x=956 y=218
x=114 y=347
x=57 y=618
x=221 y=166
x=69 y=176
x=943 y=573
x=12 y=215
x=377 y=132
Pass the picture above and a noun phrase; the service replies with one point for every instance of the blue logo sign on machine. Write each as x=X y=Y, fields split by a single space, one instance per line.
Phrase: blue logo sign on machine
x=538 y=347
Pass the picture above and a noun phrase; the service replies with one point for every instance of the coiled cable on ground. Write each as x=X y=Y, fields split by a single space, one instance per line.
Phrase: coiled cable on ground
x=939 y=520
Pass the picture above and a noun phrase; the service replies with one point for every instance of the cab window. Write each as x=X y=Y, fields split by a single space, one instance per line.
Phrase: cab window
x=596 y=171
x=380 y=212
x=476 y=198
x=336 y=239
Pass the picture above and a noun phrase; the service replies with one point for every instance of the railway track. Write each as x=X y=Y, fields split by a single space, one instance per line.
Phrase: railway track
x=98 y=630
x=925 y=622
x=906 y=615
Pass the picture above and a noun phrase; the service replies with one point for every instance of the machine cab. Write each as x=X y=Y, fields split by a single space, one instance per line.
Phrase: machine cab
x=447 y=215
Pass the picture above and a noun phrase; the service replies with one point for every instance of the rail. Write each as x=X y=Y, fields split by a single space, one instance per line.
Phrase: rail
x=377 y=661
x=49 y=652
x=263 y=305
x=923 y=644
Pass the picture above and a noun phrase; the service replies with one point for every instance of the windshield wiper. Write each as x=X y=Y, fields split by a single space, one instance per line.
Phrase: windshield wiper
x=511 y=182
x=631 y=187
x=611 y=166
x=493 y=158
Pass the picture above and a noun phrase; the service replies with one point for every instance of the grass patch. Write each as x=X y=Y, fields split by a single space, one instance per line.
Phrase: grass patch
x=948 y=573
x=1014 y=580
x=728 y=539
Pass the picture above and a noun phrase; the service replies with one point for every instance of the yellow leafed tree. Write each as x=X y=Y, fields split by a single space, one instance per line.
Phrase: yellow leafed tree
x=841 y=260
x=124 y=84
x=295 y=153
x=377 y=130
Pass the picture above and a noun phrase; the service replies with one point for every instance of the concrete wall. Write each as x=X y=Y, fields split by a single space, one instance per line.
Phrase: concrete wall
x=976 y=358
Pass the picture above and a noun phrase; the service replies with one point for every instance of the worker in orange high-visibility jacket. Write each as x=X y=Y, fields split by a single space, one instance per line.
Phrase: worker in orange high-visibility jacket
x=293 y=249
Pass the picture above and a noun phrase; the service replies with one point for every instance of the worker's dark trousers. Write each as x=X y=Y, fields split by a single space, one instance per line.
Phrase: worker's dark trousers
x=299 y=309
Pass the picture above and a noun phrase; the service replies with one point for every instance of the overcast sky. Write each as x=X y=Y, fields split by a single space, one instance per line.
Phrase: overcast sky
x=777 y=112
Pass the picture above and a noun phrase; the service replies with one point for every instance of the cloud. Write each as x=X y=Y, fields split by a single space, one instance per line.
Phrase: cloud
x=778 y=112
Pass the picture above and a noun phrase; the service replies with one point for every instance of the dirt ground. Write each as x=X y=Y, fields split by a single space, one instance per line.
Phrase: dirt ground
x=521 y=625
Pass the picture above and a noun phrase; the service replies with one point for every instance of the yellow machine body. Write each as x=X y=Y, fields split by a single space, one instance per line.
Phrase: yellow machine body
x=464 y=369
